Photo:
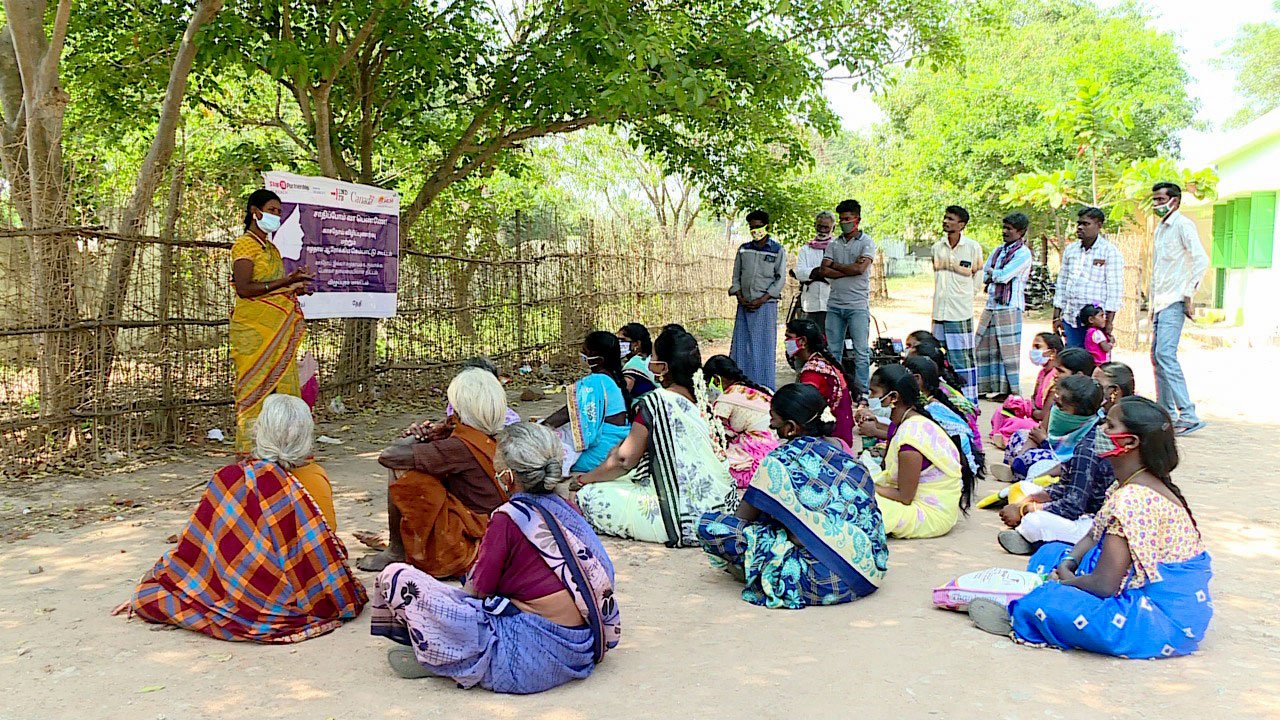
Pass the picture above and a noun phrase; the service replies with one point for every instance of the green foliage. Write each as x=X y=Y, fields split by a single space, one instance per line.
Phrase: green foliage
x=1038 y=84
x=427 y=95
x=1255 y=56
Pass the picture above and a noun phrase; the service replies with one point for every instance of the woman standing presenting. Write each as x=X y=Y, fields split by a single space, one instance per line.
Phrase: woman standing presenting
x=266 y=324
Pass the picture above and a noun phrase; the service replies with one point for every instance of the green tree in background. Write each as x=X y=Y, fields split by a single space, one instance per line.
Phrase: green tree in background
x=1255 y=56
x=960 y=136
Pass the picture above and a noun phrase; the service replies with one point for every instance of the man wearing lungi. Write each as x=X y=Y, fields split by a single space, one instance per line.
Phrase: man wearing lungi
x=957 y=262
x=999 y=337
x=759 y=272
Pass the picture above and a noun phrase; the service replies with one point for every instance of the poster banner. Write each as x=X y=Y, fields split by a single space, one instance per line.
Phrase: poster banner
x=348 y=235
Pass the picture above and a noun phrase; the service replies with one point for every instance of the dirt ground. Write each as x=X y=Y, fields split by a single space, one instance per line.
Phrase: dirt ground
x=691 y=647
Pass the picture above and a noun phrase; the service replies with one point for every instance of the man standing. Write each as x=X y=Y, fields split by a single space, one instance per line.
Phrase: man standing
x=1092 y=274
x=846 y=264
x=957 y=260
x=1178 y=265
x=999 y=337
x=759 y=271
x=814 y=290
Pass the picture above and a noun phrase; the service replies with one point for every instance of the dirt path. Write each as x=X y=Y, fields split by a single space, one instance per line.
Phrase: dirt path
x=691 y=647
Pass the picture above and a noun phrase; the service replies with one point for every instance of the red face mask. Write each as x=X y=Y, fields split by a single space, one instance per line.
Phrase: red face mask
x=1106 y=445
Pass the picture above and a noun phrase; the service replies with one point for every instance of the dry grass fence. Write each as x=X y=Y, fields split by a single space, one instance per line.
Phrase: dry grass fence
x=524 y=294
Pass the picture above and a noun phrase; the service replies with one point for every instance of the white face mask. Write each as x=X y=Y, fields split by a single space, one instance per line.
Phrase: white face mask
x=1038 y=357
x=269 y=223
x=878 y=407
x=624 y=347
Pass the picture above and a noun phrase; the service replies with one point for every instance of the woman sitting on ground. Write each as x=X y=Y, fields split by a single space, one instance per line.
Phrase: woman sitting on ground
x=926 y=345
x=597 y=413
x=806 y=347
x=940 y=407
x=1020 y=413
x=1028 y=455
x=1116 y=381
x=1137 y=586
x=442 y=485
x=743 y=408
x=807 y=531
x=636 y=347
x=925 y=482
x=538 y=608
x=260 y=559
x=1063 y=511
x=668 y=472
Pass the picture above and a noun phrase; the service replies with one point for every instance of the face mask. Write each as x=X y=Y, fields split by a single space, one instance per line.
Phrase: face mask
x=586 y=359
x=1038 y=357
x=848 y=227
x=759 y=233
x=653 y=368
x=1063 y=423
x=1162 y=210
x=792 y=345
x=1105 y=446
x=268 y=222
x=624 y=347
x=823 y=234
x=878 y=405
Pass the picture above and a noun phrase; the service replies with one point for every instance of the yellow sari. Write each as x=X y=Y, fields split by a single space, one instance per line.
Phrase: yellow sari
x=936 y=507
x=266 y=332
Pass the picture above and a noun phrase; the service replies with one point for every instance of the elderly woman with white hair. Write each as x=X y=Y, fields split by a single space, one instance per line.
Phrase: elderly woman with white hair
x=259 y=559
x=538 y=607
x=442 y=486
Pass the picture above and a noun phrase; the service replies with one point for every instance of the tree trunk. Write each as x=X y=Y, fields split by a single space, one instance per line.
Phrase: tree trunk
x=153 y=168
x=34 y=104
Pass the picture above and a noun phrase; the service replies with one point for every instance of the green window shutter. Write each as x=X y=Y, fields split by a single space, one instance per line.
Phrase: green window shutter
x=1228 y=232
x=1239 y=256
x=1262 y=229
x=1221 y=218
x=1220 y=288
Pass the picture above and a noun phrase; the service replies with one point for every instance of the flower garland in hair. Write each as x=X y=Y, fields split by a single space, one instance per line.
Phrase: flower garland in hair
x=702 y=398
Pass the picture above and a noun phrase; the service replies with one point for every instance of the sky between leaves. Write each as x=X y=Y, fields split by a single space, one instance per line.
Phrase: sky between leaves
x=1204 y=31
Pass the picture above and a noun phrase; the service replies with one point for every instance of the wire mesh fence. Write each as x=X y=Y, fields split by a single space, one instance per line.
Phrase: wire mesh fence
x=77 y=381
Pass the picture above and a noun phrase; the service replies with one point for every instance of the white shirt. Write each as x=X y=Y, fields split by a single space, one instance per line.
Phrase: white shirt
x=953 y=293
x=1178 y=261
x=1089 y=277
x=813 y=298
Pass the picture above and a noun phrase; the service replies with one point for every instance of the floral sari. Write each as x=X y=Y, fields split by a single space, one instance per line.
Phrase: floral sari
x=744 y=412
x=265 y=332
x=680 y=477
x=830 y=381
x=820 y=539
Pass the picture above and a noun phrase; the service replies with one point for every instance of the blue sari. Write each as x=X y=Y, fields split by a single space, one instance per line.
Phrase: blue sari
x=813 y=491
x=955 y=426
x=591 y=400
x=1165 y=617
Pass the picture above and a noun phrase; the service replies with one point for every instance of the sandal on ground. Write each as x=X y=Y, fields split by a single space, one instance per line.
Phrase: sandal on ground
x=990 y=616
x=1000 y=472
x=406 y=665
x=1014 y=544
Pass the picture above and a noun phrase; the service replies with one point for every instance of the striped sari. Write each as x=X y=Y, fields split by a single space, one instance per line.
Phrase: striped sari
x=266 y=332
x=680 y=477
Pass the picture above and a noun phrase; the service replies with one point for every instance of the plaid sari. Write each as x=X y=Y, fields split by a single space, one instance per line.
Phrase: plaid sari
x=957 y=339
x=999 y=345
x=257 y=562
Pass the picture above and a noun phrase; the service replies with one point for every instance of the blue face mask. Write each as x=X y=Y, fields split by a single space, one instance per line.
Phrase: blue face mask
x=269 y=223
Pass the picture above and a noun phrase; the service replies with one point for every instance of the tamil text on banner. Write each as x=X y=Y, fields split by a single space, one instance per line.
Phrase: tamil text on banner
x=349 y=235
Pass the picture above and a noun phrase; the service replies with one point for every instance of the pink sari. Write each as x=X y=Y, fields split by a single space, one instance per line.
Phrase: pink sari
x=1016 y=413
x=744 y=412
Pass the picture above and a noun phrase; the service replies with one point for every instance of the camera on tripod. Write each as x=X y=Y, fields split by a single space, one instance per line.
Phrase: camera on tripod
x=884 y=351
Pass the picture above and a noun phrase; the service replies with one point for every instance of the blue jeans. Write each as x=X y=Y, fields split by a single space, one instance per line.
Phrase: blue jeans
x=856 y=325
x=1171 y=384
x=1072 y=335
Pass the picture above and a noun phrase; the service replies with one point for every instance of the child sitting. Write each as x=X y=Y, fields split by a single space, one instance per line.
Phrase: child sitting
x=1019 y=413
x=1096 y=340
x=1063 y=511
